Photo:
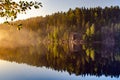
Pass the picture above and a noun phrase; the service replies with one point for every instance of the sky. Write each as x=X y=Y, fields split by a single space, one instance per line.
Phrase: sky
x=52 y=6
x=15 y=71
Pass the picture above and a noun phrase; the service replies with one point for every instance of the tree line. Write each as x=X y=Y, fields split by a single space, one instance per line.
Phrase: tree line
x=89 y=22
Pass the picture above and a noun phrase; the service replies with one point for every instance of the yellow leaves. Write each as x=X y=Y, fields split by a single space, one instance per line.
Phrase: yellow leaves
x=92 y=29
x=83 y=47
x=90 y=53
x=96 y=14
x=88 y=31
x=87 y=52
x=83 y=36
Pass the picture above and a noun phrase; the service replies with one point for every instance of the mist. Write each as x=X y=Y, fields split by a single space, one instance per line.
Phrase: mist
x=10 y=37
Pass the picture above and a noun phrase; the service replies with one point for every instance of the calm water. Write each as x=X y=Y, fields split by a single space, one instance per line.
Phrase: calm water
x=61 y=62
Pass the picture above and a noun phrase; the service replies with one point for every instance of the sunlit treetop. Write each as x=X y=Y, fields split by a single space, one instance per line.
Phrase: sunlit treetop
x=9 y=9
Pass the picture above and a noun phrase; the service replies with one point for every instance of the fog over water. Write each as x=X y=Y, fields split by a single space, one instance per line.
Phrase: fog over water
x=10 y=37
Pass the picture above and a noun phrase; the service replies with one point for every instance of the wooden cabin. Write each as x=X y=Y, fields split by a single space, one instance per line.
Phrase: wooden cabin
x=74 y=37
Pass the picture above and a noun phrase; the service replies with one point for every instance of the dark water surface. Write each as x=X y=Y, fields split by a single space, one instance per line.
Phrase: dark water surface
x=61 y=62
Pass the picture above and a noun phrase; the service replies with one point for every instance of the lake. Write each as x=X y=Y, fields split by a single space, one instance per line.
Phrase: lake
x=60 y=62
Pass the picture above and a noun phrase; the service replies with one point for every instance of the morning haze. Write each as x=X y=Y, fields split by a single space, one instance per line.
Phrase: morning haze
x=60 y=40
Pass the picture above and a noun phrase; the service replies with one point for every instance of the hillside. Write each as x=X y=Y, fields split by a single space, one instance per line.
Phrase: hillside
x=88 y=22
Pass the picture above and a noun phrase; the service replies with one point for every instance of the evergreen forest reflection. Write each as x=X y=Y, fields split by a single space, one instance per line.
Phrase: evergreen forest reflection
x=79 y=59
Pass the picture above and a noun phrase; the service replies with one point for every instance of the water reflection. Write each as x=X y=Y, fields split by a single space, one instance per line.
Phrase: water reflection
x=85 y=59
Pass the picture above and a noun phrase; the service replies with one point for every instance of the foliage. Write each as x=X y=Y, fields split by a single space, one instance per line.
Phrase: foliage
x=89 y=23
x=10 y=9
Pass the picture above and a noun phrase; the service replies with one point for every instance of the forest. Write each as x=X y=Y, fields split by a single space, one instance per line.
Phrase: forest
x=93 y=25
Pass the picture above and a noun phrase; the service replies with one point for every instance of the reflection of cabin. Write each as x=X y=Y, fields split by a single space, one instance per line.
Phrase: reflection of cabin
x=74 y=48
x=75 y=37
